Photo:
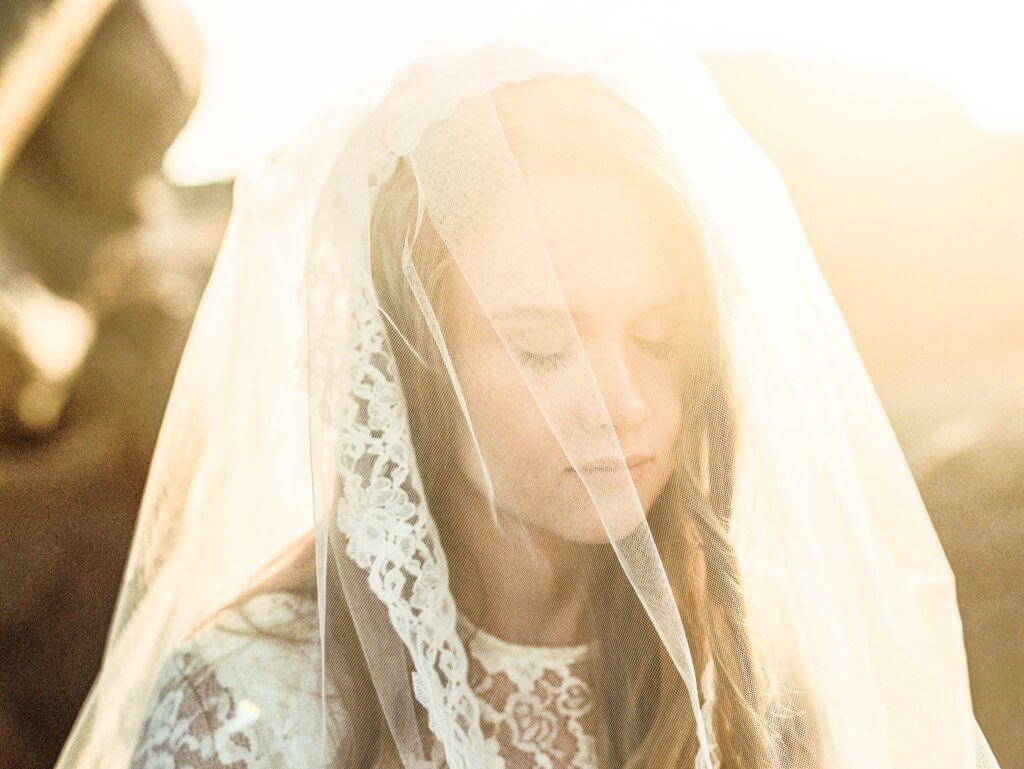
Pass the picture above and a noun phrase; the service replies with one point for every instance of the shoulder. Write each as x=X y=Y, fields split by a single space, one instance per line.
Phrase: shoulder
x=242 y=692
x=268 y=639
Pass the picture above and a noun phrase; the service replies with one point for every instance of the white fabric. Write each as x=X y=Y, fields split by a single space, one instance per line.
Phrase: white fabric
x=435 y=340
x=227 y=698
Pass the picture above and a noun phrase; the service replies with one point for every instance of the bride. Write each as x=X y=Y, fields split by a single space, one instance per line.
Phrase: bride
x=531 y=364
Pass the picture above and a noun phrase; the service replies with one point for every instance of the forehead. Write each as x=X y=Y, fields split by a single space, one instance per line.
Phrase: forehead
x=617 y=245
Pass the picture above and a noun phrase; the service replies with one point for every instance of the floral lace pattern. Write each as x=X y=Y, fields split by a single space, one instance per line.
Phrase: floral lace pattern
x=194 y=721
x=236 y=696
x=391 y=535
x=226 y=700
x=535 y=703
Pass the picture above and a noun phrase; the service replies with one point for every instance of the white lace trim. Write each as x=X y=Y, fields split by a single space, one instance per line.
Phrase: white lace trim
x=232 y=698
x=536 y=699
x=383 y=511
x=534 y=702
x=494 y=647
x=392 y=536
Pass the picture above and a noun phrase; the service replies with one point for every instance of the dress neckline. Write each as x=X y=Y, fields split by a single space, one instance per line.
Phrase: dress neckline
x=490 y=645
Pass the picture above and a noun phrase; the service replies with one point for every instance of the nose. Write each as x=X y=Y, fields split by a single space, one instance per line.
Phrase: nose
x=619 y=382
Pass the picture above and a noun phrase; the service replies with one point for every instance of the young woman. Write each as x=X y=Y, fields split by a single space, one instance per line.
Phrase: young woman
x=580 y=466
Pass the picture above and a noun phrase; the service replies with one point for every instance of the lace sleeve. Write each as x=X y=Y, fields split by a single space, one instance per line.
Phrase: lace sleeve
x=243 y=692
x=194 y=721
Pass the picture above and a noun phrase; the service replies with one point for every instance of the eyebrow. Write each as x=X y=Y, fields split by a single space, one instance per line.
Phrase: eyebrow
x=551 y=312
x=530 y=312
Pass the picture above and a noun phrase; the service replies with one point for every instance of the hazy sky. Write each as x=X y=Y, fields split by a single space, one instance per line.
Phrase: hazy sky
x=271 y=67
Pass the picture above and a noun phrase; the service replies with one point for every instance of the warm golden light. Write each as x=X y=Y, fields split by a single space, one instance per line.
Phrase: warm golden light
x=262 y=86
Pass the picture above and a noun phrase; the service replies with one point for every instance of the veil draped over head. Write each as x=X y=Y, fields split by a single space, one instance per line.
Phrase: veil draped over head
x=518 y=428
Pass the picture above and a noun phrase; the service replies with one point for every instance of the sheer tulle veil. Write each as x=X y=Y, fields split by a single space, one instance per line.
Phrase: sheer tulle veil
x=401 y=358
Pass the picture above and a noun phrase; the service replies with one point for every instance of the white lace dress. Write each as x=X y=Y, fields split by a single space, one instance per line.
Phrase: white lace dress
x=235 y=698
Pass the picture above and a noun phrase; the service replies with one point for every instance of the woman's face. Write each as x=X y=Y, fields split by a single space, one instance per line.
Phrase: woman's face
x=619 y=252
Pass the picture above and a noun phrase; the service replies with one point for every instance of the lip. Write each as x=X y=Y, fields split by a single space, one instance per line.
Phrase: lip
x=634 y=463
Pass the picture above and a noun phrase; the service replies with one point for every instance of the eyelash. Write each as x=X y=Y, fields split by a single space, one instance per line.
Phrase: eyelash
x=666 y=348
x=554 y=361
x=543 y=361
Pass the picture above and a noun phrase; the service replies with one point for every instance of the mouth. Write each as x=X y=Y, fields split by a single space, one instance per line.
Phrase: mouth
x=634 y=464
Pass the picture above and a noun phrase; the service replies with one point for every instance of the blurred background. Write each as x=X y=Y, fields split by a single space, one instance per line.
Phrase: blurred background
x=899 y=131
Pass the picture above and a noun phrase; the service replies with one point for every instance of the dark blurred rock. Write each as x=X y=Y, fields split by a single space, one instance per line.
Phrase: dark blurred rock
x=963 y=431
x=78 y=216
x=69 y=500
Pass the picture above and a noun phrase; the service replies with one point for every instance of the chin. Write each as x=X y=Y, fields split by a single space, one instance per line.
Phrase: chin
x=584 y=526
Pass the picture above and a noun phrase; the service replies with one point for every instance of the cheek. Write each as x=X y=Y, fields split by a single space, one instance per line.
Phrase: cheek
x=514 y=437
x=666 y=404
x=665 y=399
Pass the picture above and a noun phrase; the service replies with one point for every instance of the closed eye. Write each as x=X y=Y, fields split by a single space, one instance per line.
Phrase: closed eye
x=664 y=346
x=543 y=361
